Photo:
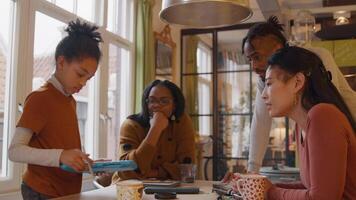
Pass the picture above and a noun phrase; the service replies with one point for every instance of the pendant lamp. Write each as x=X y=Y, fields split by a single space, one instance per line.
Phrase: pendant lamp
x=205 y=13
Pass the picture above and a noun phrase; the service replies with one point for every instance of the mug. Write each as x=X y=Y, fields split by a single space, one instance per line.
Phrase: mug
x=252 y=186
x=129 y=190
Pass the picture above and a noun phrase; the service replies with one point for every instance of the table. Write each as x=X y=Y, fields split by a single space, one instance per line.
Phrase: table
x=109 y=193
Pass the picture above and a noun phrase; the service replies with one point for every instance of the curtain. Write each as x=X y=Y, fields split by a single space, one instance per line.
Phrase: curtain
x=191 y=82
x=190 y=91
x=144 y=49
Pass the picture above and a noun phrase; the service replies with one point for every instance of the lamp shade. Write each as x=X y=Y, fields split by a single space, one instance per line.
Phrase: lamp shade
x=204 y=13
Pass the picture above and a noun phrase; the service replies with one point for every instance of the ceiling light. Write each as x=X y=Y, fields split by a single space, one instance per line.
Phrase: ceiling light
x=205 y=13
x=342 y=17
x=341 y=21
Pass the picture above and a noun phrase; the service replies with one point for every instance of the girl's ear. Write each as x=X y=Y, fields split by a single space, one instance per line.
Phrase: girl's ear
x=299 y=82
x=60 y=62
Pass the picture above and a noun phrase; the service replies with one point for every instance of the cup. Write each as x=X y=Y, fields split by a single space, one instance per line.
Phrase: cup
x=129 y=189
x=187 y=172
x=251 y=186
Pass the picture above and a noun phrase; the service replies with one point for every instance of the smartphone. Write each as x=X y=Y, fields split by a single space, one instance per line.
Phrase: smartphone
x=165 y=195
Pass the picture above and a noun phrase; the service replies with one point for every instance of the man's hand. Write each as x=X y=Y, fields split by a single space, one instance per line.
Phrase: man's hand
x=231 y=179
x=75 y=159
x=227 y=177
x=268 y=186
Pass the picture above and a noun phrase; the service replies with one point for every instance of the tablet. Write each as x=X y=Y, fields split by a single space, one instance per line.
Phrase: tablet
x=166 y=195
x=107 y=166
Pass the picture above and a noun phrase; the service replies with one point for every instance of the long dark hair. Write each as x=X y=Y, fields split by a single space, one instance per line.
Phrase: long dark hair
x=82 y=41
x=143 y=118
x=318 y=87
x=271 y=27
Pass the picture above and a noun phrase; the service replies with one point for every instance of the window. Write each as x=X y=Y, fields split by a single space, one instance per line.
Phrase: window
x=204 y=59
x=120 y=18
x=197 y=81
x=43 y=54
x=118 y=96
x=6 y=14
x=9 y=179
x=66 y=4
x=82 y=8
x=204 y=63
x=85 y=9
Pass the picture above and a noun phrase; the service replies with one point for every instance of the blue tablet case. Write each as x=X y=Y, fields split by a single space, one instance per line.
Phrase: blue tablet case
x=111 y=166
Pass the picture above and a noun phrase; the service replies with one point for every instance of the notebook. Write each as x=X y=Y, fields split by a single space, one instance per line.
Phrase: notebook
x=107 y=166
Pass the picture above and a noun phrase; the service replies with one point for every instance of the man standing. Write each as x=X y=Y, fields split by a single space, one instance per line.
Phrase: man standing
x=261 y=41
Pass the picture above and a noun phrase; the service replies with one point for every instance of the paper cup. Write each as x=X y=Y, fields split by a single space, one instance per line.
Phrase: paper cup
x=129 y=190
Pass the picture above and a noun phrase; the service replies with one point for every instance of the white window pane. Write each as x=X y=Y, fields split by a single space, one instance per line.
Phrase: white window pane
x=44 y=63
x=120 y=17
x=118 y=90
x=85 y=9
x=204 y=60
x=65 y=4
x=111 y=15
x=5 y=49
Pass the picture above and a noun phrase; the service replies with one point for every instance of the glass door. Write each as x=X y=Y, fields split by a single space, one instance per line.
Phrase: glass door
x=197 y=85
x=220 y=89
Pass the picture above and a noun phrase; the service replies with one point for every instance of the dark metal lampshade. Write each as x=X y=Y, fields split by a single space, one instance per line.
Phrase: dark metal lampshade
x=205 y=13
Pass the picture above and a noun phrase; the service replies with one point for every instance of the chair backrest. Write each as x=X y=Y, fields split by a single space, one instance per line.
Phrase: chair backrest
x=97 y=185
x=103 y=180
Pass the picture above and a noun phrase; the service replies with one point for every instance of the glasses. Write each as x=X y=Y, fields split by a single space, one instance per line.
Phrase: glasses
x=161 y=101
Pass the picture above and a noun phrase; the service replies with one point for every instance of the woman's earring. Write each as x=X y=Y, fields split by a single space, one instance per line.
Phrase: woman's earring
x=173 y=117
x=295 y=102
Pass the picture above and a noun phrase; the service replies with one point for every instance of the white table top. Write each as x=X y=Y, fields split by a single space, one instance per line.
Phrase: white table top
x=109 y=193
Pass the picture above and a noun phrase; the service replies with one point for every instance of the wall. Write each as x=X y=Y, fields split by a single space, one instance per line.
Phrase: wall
x=344 y=53
x=158 y=26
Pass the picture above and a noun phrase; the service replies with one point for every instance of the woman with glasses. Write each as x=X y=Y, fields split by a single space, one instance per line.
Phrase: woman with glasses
x=160 y=137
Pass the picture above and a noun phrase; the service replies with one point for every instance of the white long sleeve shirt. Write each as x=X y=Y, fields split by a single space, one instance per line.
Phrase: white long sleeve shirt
x=20 y=151
x=261 y=121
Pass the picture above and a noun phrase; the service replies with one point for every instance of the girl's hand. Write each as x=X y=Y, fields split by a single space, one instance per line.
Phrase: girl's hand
x=75 y=159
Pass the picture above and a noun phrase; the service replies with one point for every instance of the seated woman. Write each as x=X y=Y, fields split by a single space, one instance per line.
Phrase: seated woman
x=299 y=87
x=160 y=137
